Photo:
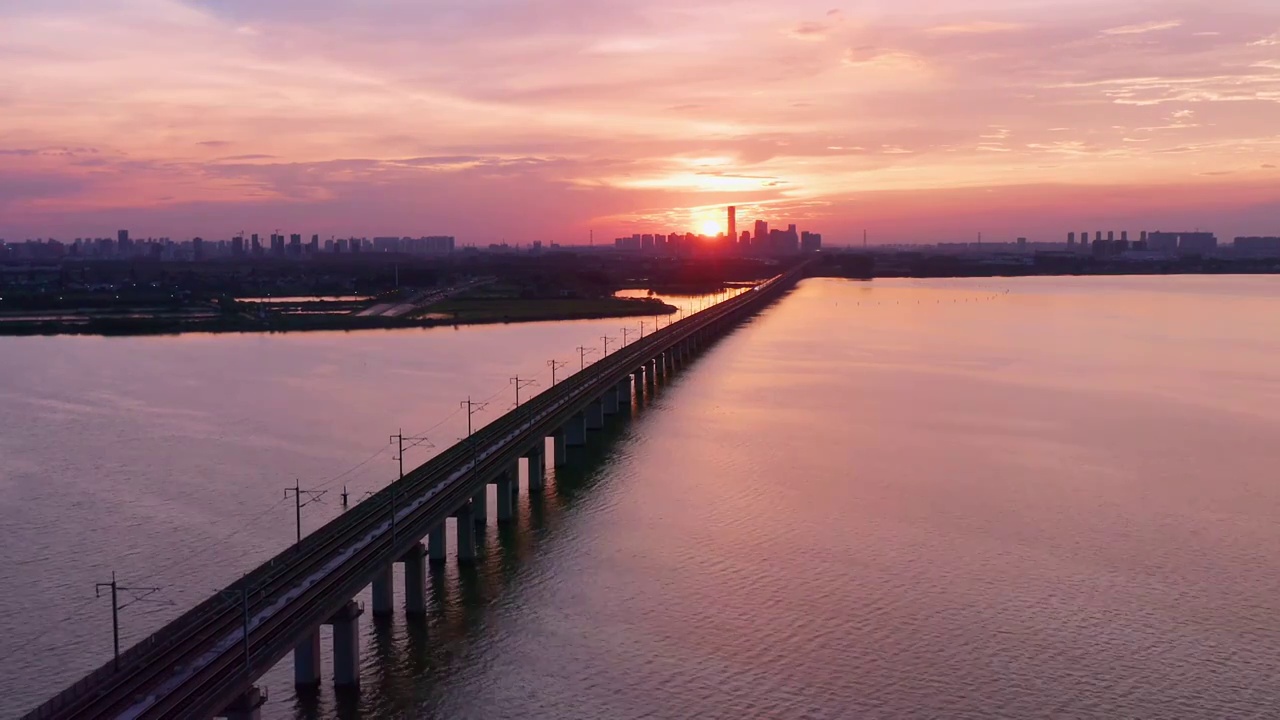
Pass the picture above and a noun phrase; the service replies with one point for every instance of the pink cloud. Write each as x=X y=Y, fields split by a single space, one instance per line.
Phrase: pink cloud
x=495 y=121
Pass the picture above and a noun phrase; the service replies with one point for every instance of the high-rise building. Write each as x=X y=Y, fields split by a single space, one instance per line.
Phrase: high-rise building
x=197 y=249
x=1197 y=242
x=1162 y=241
x=123 y=244
x=1258 y=246
x=762 y=232
x=733 y=223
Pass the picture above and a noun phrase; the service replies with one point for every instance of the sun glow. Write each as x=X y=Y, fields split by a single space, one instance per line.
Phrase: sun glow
x=710 y=227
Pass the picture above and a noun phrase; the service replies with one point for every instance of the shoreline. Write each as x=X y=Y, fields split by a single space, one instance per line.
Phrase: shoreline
x=144 y=327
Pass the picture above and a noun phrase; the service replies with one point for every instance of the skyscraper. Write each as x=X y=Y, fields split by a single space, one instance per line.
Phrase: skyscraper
x=762 y=232
x=733 y=223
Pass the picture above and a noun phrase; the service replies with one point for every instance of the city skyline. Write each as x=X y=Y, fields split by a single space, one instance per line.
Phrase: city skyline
x=917 y=121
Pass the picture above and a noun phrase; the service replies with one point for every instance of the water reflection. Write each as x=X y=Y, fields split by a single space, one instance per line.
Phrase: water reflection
x=407 y=657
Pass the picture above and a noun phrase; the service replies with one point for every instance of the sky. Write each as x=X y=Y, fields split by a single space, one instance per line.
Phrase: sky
x=523 y=120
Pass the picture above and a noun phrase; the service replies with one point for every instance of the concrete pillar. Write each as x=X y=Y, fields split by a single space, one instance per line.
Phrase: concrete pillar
x=559 y=454
x=480 y=505
x=415 y=580
x=306 y=661
x=383 y=592
x=246 y=707
x=437 y=544
x=466 y=535
x=506 y=499
x=346 y=646
x=651 y=372
x=623 y=393
x=595 y=414
x=537 y=469
x=610 y=399
x=575 y=431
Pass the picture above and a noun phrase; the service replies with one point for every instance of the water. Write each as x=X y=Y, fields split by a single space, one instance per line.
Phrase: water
x=1038 y=497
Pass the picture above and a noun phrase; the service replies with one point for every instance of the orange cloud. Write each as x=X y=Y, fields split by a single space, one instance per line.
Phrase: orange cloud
x=602 y=114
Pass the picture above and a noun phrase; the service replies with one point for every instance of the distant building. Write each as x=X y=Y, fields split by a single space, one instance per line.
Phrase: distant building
x=733 y=222
x=386 y=244
x=1197 y=242
x=810 y=241
x=1162 y=241
x=762 y=232
x=1191 y=243
x=1257 y=246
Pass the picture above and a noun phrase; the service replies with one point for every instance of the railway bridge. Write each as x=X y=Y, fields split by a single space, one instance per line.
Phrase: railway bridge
x=205 y=662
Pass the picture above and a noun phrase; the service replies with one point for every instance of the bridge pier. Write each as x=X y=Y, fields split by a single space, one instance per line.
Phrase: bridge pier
x=623 y=393
x=651 y=372
x=306 y=661
x=595 y=414
x=537 y=468
x=466 y=535
x=506 y=498
x=611 y=401
x=437 y=544
x=346 y=645
x=246 y=707
x=415 y=580
x=575 y=431
x=480 y=505
x=383 y=592
x=559 y=453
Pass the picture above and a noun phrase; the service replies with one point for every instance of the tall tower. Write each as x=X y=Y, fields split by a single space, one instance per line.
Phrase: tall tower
x=733 y=223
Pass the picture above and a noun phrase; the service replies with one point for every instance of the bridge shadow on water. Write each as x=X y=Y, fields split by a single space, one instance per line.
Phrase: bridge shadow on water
x=405 y=660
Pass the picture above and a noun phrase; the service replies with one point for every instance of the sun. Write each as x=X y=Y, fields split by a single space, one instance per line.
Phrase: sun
x=711 y=228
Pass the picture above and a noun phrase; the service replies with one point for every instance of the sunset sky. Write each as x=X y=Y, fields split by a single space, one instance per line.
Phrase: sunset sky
x=919 y=120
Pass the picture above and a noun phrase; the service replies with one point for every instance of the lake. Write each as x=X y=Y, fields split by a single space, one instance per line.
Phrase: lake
x=972 y=498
